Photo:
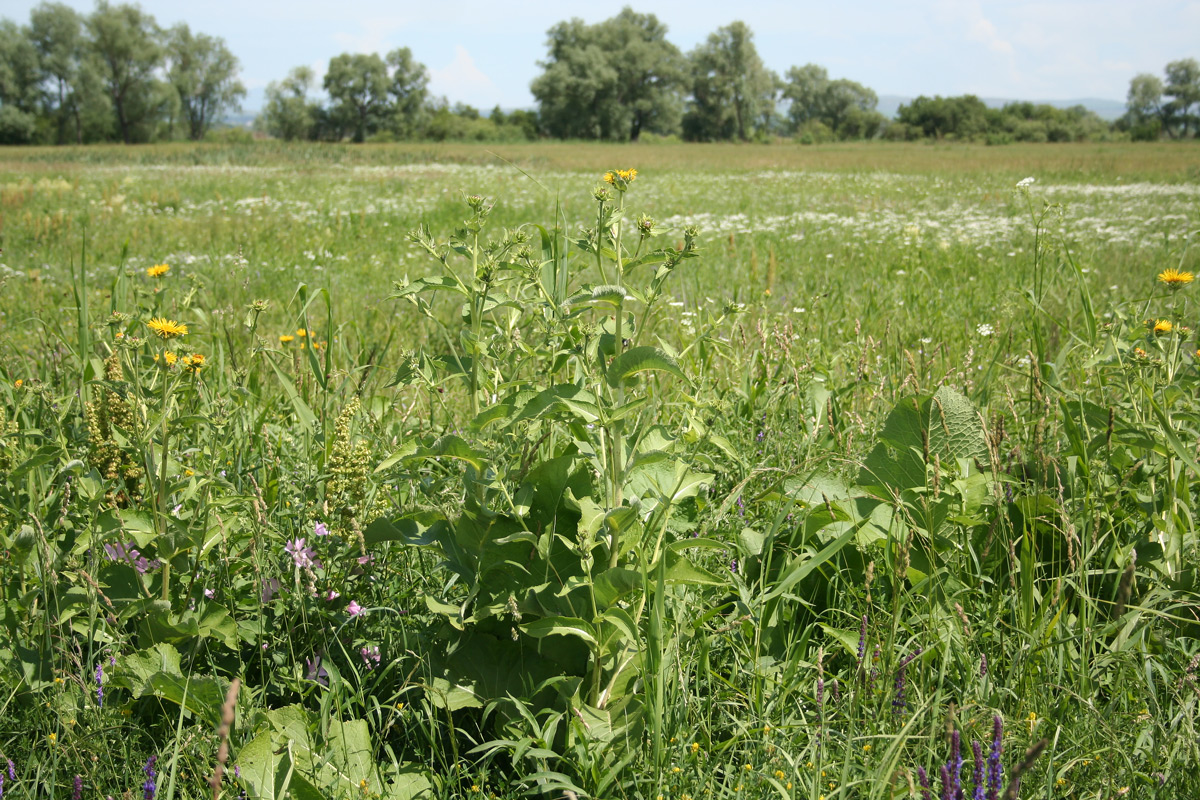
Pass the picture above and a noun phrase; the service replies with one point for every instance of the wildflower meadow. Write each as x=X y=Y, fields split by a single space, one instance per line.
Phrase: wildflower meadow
x=600 y=471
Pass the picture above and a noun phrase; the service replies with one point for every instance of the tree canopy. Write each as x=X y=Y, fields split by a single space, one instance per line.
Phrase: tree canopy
x=611 y=80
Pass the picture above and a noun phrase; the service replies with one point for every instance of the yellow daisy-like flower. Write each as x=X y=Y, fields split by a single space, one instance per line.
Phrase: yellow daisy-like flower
x=1175 y=278
x=158 y=270
x=284 y=338
x=171 y=358
x=167 y=328
x=780 y=774
x=19 y=383
x=1162 y=326
x=302 y=333
x=194 y=362
x=621 y=177
x=695 y=747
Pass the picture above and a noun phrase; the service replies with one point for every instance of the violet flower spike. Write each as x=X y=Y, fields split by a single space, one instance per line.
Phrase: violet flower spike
x=978 y=773
x=77 y=792
x=995 y=773
x=149 y=787
x=100 y=683
x=862 y=640
x=956 y=762
x=923 y=777
x=947 y=789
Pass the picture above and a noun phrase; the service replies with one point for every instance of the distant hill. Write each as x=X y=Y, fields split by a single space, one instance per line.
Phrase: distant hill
x=1109 y=110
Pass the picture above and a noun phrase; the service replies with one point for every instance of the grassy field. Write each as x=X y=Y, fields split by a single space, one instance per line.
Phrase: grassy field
x=449 y=470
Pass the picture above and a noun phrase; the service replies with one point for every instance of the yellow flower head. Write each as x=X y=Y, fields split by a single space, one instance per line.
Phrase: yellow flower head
x=194 y=362
x=620 y=178
x=171 y=358
x=158 y=270
x=695 y=747
x=19 y=383
x=167 y=328
x=285 y=338
x=302 y=333
x=1175 y=278
x=1162 y=326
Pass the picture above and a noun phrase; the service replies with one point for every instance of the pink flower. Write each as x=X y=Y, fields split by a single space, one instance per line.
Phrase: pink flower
x=332 y=595
x=320 y=530
x=354 y=609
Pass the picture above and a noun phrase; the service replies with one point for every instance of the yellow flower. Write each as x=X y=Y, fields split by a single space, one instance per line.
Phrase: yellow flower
x=788 y=786
x=302 y=333
x=779 y=774
x=747 y=767
x=19 y=383
x=167 y=328
x=194 y=362
x=1162 y=326
x=621 y=177
x=1031 y=721
x=53 y=737
x=285 y=338
x=171 y=358
x=695 y=747
x=158 y=270
x=1175 y=278
x=866 y=748
x=1060 y=782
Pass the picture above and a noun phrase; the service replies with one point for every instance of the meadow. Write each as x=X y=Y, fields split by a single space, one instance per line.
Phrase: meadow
x=847 y=471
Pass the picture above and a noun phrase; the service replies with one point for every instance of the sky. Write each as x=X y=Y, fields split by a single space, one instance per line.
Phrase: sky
x=486 y=53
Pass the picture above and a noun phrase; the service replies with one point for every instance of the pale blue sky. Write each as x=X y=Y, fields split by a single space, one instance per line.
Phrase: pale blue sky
x=486 y=53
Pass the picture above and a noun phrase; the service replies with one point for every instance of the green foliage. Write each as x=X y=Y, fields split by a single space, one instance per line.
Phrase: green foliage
x=733 y=94
x=557 y=520
x=124 y=40
x=203 y=72
x=612 y=80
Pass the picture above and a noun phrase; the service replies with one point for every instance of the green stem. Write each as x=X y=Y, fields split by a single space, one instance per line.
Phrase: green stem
x=162 y=485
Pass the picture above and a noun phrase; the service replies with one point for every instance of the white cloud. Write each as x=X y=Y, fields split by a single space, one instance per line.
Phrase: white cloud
x=375 y=35
x=463 y=81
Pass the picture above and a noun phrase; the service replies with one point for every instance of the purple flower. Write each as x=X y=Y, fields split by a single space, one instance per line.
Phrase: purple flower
x=303 y=557
x=370 y=657
x=862 y=640
x=149 y=787
x=947 y=787
x=12 y=770
x=354 y=609
x=983 y=666
x=978 y=772
x=210 y=594
x=100 y=683
x=315 y=672
x=956 y=762
x=269 y=587
x=923 y=777
x=995 y=774
x=332 y=595
x=77 y=793
x=320 y=529
x=127 y=553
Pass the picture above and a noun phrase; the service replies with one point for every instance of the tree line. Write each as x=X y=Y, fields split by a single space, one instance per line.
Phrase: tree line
x=115 y=75
x=110 y=75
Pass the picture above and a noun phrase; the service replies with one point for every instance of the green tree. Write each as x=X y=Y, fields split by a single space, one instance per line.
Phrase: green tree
x=20 y=92
x=203 y=73
x=964 y=117
x=733 y=93
x=20 y=75
x=408 y=90
x=611 y=80
x=288 y=113
x=844 y=106
x=74 y=99
x=124 y=40
x=357 y=84
x=1183 y=87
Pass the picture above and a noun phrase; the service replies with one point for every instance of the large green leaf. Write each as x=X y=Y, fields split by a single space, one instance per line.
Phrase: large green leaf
x=641 y=359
